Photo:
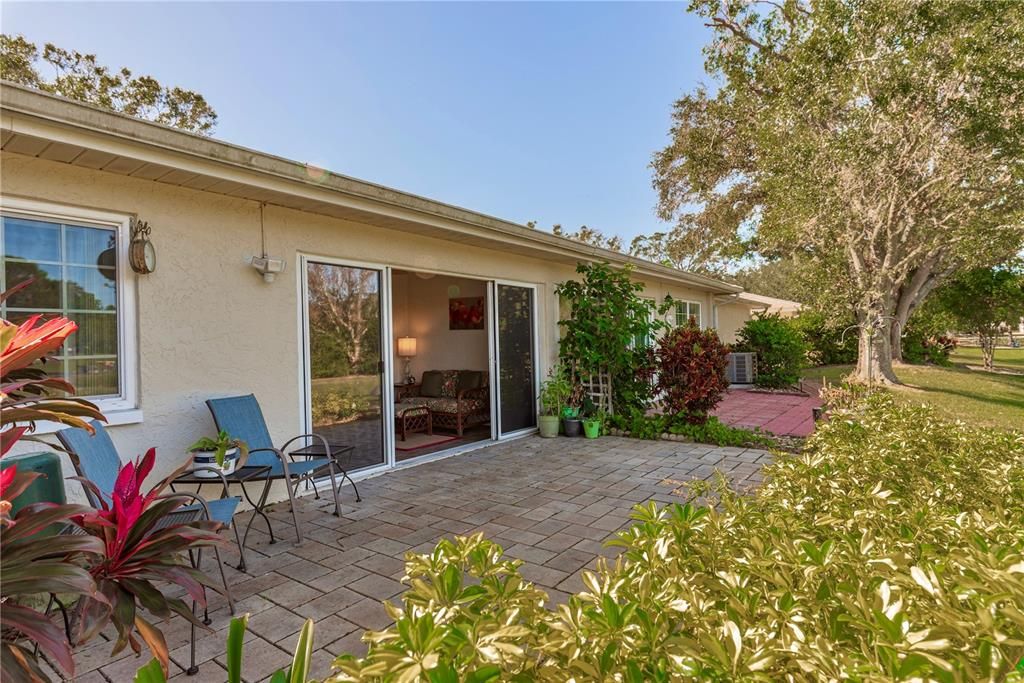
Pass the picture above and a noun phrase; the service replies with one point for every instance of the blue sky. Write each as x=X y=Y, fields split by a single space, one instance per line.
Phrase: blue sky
x=526 y=111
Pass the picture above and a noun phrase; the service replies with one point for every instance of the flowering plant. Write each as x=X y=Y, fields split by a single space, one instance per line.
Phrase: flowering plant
x=140 y=548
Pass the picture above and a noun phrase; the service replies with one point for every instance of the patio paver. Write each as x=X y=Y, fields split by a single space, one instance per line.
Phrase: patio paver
x=548 y=502
x=781 y=414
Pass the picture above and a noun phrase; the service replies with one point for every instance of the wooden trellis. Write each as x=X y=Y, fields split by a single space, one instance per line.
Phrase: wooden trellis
x=599 y=388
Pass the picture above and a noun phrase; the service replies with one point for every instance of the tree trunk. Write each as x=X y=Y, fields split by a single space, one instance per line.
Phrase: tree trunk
x=874 y=357
x=988 y=350
x=910 y=296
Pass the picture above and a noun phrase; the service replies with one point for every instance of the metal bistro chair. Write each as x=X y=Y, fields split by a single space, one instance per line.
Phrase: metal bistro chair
x=95 y=458
x=241 y=417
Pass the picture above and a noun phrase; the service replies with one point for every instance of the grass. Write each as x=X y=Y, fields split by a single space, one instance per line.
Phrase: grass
x=992 y=399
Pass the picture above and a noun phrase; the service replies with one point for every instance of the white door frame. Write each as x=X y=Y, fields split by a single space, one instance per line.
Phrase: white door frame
x=492 y=293
x=386 y=350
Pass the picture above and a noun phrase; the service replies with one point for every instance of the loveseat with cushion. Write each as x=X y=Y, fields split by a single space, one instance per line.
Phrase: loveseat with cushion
x=457 y=398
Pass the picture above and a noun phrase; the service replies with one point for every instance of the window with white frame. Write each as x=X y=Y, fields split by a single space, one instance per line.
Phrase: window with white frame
x=643 y=341
x=686 y=310
x=76 y=259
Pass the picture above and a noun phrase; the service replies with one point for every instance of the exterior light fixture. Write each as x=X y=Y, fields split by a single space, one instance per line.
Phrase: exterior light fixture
x=141 y=253
x=267 y=267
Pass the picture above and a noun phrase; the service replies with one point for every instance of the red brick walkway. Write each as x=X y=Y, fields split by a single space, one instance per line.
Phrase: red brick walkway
x=782 y=414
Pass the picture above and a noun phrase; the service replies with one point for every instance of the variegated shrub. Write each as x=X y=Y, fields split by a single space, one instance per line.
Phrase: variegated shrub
x=891 y=549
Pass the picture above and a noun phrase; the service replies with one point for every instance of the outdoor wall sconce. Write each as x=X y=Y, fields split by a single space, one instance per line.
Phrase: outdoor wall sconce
x=141 y=253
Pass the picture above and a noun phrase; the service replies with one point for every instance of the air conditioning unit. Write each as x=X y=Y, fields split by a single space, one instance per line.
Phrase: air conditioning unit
x=741 y=368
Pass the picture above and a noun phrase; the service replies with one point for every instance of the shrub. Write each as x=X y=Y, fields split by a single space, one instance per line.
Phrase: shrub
x=825 y=343
x=891 y=549
x=691 y=371
x=608 y=331
x=779 y=348
x=920 y=348
x=716 y=432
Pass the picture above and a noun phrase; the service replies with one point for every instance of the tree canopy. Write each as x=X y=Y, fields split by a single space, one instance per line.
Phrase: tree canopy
x=81 y=77
x=880 y=143
x=981 y=301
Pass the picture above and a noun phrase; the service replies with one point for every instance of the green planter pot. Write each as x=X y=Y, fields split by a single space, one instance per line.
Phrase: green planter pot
x=592 y=428
x=548 y=425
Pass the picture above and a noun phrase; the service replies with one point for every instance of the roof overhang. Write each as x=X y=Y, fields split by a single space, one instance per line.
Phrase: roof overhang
x=58 y=129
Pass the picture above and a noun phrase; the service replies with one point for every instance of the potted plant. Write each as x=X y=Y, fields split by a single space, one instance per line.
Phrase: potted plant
x=553 y=394
x=571 y=423
x=221 y=452
x=592 y=419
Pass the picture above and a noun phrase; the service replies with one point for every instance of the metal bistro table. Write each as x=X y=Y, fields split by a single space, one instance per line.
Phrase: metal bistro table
x=342 y=455
x=240 y=476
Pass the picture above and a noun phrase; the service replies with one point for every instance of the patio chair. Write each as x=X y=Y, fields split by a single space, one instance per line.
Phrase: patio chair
x=241 y=417
x=95 y=458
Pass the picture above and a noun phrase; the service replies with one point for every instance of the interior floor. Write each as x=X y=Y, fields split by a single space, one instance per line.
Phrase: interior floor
x=365 y=438
x=469 y=435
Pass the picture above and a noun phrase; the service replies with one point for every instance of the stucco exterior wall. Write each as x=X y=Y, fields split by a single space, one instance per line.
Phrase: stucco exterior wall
x=207 y=324
x=731 y=317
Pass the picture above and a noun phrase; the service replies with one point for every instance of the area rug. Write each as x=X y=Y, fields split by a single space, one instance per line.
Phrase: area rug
x=414 y=442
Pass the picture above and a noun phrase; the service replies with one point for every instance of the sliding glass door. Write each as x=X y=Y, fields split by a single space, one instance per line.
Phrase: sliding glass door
x=515 y=324
x=346 y=373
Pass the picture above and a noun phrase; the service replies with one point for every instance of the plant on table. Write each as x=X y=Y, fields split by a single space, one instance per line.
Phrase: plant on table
x=220 y=447
x=891 y=549
x=691 y=372
x=780 y=352
x=104 y=566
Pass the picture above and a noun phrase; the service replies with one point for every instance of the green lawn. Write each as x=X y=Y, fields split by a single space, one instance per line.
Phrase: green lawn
x=980 y=397
x=1009 y=359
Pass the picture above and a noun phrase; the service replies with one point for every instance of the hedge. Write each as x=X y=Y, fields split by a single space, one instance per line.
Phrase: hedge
x=890 y=549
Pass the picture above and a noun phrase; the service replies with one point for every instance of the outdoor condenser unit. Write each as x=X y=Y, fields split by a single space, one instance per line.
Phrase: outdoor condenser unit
x=741 y=368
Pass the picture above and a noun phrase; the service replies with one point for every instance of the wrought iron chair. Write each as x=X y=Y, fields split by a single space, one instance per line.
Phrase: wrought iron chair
x=241 y=417
x=95 y=458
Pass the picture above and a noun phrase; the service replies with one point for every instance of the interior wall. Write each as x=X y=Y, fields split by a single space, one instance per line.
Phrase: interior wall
x=420 y=310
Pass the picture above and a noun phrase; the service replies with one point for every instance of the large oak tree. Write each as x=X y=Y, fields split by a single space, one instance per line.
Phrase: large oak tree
x=81 y=77
x=880 y=143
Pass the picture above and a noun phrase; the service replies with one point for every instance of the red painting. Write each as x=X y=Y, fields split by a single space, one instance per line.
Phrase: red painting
x=466 y=313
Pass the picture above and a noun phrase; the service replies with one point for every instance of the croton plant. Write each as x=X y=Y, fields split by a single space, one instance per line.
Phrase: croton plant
x=110 y=565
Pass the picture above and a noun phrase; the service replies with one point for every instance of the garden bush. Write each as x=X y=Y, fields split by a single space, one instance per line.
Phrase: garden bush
x=891 y=549
x=691 y=371
x=780 y=350
x=824 y=342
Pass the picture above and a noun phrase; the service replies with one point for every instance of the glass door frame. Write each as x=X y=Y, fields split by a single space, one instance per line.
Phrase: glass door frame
x=386 y=350
x=495 y=360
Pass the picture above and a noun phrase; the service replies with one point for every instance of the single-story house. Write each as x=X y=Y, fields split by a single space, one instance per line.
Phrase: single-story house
x=319 y=293
x=770 y=304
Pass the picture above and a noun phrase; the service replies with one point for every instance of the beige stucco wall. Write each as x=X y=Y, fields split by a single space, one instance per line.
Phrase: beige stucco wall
x=731 y=317
x=209 y=326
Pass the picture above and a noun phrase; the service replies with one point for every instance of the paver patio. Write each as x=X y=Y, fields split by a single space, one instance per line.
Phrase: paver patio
x=781 y=414
x=548 y=502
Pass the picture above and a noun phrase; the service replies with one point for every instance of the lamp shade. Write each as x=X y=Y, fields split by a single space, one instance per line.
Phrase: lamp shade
x=407 y=347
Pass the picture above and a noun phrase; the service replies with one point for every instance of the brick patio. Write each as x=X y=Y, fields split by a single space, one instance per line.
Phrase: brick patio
x=548 y=502
x=781 y=414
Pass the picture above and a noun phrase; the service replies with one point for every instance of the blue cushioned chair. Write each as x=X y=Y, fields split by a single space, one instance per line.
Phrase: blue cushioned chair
x=241 y=417
x=95 y=458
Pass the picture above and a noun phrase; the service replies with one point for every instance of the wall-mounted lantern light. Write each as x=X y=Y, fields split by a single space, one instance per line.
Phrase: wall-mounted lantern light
x=141 y=253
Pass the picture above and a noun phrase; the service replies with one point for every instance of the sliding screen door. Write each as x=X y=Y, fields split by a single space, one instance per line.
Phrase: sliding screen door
x=345 y=353
x=517 y=375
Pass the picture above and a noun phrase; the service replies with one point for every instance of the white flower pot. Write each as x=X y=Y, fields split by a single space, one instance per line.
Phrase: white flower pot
x=207 y=459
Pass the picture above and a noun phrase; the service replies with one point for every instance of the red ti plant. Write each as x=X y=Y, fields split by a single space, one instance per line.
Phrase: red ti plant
x=27 y=393
x=33 y=565
x=140 y=548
